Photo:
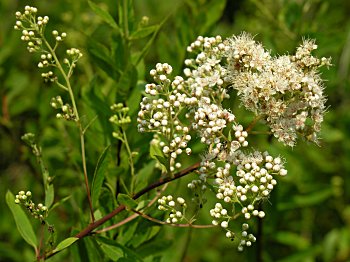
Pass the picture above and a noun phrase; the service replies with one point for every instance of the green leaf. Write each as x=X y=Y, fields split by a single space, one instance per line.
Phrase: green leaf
x=127 y=201
x=292 y=239
x=22 y=222
x=65 y=243
x=116 y=249
x=101 y=56
x=134 y=99
x=311 y=199
x=149 y=42
x=49 y=195
x=112 y=252
x=157 y=154
x=143 y=175
x=104 y=15
x=215 y=9
x=126 y=83
x=330 y=245
x=143 y=32
x=99 y=176
x=144 y=233
x=153 y=247
x=60 y=202
x=308 y=254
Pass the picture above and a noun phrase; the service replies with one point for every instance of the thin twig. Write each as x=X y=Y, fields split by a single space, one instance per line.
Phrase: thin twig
x=42 y=227
x=89 y=229
x=78 y=121
x=252 y=124
x=133 y=216
x=168 y=224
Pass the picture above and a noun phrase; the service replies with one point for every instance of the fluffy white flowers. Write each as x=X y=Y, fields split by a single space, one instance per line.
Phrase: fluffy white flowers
x=285 y=91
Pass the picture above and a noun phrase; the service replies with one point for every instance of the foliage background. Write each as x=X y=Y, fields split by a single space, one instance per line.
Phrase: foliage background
x=308 y=215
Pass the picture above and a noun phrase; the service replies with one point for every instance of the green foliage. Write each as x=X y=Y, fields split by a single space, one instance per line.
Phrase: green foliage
x=22 y=222
x=309 y=218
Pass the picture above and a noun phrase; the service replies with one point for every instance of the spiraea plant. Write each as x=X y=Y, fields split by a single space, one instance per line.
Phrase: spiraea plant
x=284 y=93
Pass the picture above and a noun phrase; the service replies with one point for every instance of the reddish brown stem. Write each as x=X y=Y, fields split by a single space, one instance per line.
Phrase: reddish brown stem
x=88 y=230
x=120 y=208
x=252 y=124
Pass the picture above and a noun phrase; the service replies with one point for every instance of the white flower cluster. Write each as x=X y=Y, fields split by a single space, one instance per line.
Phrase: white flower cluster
x=31 y=27
x=245 y=238
x=33 y=32
x=168 y=203
x=160 y=113
x=39 y=211
x=286 y=91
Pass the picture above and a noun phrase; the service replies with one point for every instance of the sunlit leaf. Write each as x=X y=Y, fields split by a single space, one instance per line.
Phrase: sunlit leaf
x=65 y=243
x=22 y=222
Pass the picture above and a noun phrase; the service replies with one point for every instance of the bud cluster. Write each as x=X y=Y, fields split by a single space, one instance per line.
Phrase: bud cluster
x=32 y=27
x=29 y=139
x=39 y=211
x=161 y=113
x=245 y=238
x=120 y=119
x=33 y=32
x=67 y=111
x=173 y=206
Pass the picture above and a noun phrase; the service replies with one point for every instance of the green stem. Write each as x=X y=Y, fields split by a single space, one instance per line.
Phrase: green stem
x=76 y=113
x=131 y=162
x=125 y=19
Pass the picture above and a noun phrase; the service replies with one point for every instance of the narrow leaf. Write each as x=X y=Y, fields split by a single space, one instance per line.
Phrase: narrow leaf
x=143 y=32
x=49 y=195
x=99 y=176
x=22 y=222
x=65 y=243
x=104 y=15
x=127 y=252
x=112 y=252
x=60 y=202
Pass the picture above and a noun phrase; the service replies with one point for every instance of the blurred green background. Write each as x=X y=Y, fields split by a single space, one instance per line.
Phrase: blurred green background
x=308 y=214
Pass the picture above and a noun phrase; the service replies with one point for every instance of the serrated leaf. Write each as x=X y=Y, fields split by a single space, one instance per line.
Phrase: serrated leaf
x=65 y=243
x=99 y=175
x=127 y=201
x=104 y=15
x=22 y=222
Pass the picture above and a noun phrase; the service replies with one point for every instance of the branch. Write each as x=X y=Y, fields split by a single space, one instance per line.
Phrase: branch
x=133 y=216
x=120 y=208
x=169 y=224
x=88 y=230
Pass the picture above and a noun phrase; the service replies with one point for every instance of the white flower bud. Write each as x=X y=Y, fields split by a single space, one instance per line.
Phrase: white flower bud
x=224 y=224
